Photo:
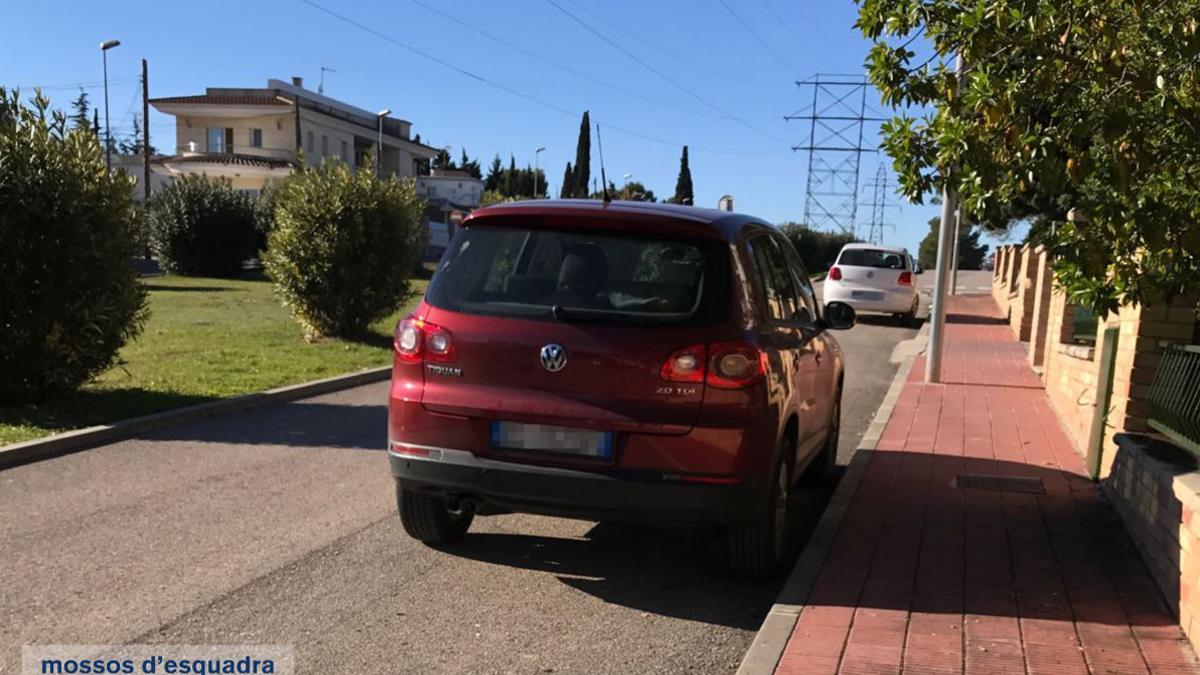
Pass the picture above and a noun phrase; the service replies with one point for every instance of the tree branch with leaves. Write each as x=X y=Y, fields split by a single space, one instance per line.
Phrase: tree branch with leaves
x=1092 y=105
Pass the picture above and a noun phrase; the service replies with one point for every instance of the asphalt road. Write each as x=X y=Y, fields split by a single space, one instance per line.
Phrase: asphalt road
x=278 y=526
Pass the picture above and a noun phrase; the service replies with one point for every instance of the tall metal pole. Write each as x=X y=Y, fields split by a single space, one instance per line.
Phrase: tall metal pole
x=937 y=315
x=958 y=218
x=536 y=169
x=379 y=145
x=107 y=129
x=145 y=132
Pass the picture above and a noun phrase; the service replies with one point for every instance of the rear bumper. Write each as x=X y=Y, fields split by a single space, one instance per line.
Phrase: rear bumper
x=568 y=492
x=893 y=301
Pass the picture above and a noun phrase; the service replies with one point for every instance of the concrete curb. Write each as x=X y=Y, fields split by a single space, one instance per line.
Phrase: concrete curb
x=90 y=437
x=772 y=637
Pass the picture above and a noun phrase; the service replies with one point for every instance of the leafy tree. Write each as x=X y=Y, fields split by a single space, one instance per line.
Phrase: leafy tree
x=80 y=119
x=634 y=191
x=817 y=249
x=971 y=253
x=613 y=192
x=683 y=184
x=568 y=183
x=443 y=162
x=202 y=227
x=71 y=298
x=1092 y=105
x=471 y=166
x=495 y=170
x=583 y=159
x=132 y=144
x=343 y=246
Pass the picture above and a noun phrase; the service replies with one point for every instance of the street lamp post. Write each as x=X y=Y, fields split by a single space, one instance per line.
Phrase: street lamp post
x=625 y=187
x=535 y=170
x=104 y=47
x=379 y=144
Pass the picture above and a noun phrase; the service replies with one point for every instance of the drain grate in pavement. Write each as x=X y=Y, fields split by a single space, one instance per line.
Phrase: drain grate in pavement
x=979 y=481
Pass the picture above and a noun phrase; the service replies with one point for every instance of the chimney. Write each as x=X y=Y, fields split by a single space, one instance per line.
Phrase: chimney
x=297 y=81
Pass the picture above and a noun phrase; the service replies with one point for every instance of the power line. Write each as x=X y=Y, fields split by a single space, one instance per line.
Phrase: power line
x=739 y=78
x=489 y=82
x=555 y=64
x=72 y=85
x=659 y=73
x=758 y=38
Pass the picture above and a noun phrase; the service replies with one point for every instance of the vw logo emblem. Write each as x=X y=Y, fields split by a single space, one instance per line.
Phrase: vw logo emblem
x=553 y=357
x=870 y=274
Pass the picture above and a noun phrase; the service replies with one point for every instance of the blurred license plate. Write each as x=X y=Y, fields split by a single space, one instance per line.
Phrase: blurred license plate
x=866 y=295
x=545 y=438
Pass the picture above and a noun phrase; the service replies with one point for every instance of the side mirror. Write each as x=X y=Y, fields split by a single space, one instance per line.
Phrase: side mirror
x=828 y=264
x=840 y=316
x=919 y=269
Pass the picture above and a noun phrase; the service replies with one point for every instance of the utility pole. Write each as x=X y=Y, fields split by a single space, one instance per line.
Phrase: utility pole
x=958 y=222
x=145 y=133
x=104 y=47
x=937 y=315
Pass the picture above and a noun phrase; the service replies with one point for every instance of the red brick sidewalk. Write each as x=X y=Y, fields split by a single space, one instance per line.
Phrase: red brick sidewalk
x=928 y=577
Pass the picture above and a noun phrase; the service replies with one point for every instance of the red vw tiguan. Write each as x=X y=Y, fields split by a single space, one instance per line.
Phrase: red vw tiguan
x=615 y=361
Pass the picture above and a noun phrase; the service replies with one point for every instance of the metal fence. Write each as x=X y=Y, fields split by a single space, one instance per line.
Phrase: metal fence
x=1175 y=396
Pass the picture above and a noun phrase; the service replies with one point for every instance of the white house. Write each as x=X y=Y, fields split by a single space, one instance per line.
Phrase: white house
x=254 y=136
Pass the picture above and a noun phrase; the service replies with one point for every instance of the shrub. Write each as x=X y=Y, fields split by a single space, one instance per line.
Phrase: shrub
x=201 y=227
x=70 y=297
x=817 y=249
x=343 y=246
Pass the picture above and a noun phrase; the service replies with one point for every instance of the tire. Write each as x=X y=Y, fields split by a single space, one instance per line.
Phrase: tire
x=426 y=518
x=757 y=544
x=910 y=319
x=820 y=471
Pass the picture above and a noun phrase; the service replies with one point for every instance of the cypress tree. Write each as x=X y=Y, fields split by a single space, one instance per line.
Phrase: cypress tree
x=683 y=184
x=510 y=178
x=583 y=159
x=568 y=184
x=79 y=111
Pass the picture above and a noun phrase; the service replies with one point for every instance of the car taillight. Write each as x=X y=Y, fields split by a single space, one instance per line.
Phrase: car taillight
x=685 y=365
x=735 y=365
x=905 y=279
x=418 y=341
x=835 y=274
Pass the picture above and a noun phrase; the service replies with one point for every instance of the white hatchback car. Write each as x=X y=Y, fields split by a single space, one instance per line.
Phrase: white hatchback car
x=873 y=278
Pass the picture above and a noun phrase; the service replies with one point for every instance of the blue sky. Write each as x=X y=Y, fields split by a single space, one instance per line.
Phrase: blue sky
x=694 y=66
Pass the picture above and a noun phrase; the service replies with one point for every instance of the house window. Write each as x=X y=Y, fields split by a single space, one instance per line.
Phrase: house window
x=324 y=145
x=219 y=139
x=432 y=191
x=345 y=152
x=256 y=138
x=308 y=145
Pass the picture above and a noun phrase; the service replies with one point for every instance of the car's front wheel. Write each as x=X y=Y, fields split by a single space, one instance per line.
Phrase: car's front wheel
x=756 y=545
x=430 y=519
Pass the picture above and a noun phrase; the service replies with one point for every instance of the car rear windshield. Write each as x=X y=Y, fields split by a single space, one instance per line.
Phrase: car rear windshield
x=581 y=276
x=870 y=257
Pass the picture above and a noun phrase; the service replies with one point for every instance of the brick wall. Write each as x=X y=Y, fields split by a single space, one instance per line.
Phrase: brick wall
x=1023 y=284
x=1043 y=284
x=1001 y=277
x=1156 y=490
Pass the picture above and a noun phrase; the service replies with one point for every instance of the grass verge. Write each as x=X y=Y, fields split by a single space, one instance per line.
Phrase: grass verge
x=206 y=339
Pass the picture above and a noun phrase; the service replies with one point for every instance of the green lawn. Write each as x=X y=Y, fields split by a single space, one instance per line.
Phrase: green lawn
x=205 y=339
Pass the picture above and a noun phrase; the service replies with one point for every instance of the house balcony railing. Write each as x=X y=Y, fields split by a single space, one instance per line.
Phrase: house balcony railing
x=196 y=149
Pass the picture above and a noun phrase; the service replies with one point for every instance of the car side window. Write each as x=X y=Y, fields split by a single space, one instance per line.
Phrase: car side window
x=809 y=312
x=783 y=302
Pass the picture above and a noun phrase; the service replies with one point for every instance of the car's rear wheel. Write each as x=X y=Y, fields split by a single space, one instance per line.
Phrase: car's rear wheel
x=756 y=545
x=910 y=319
x=430 y=519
